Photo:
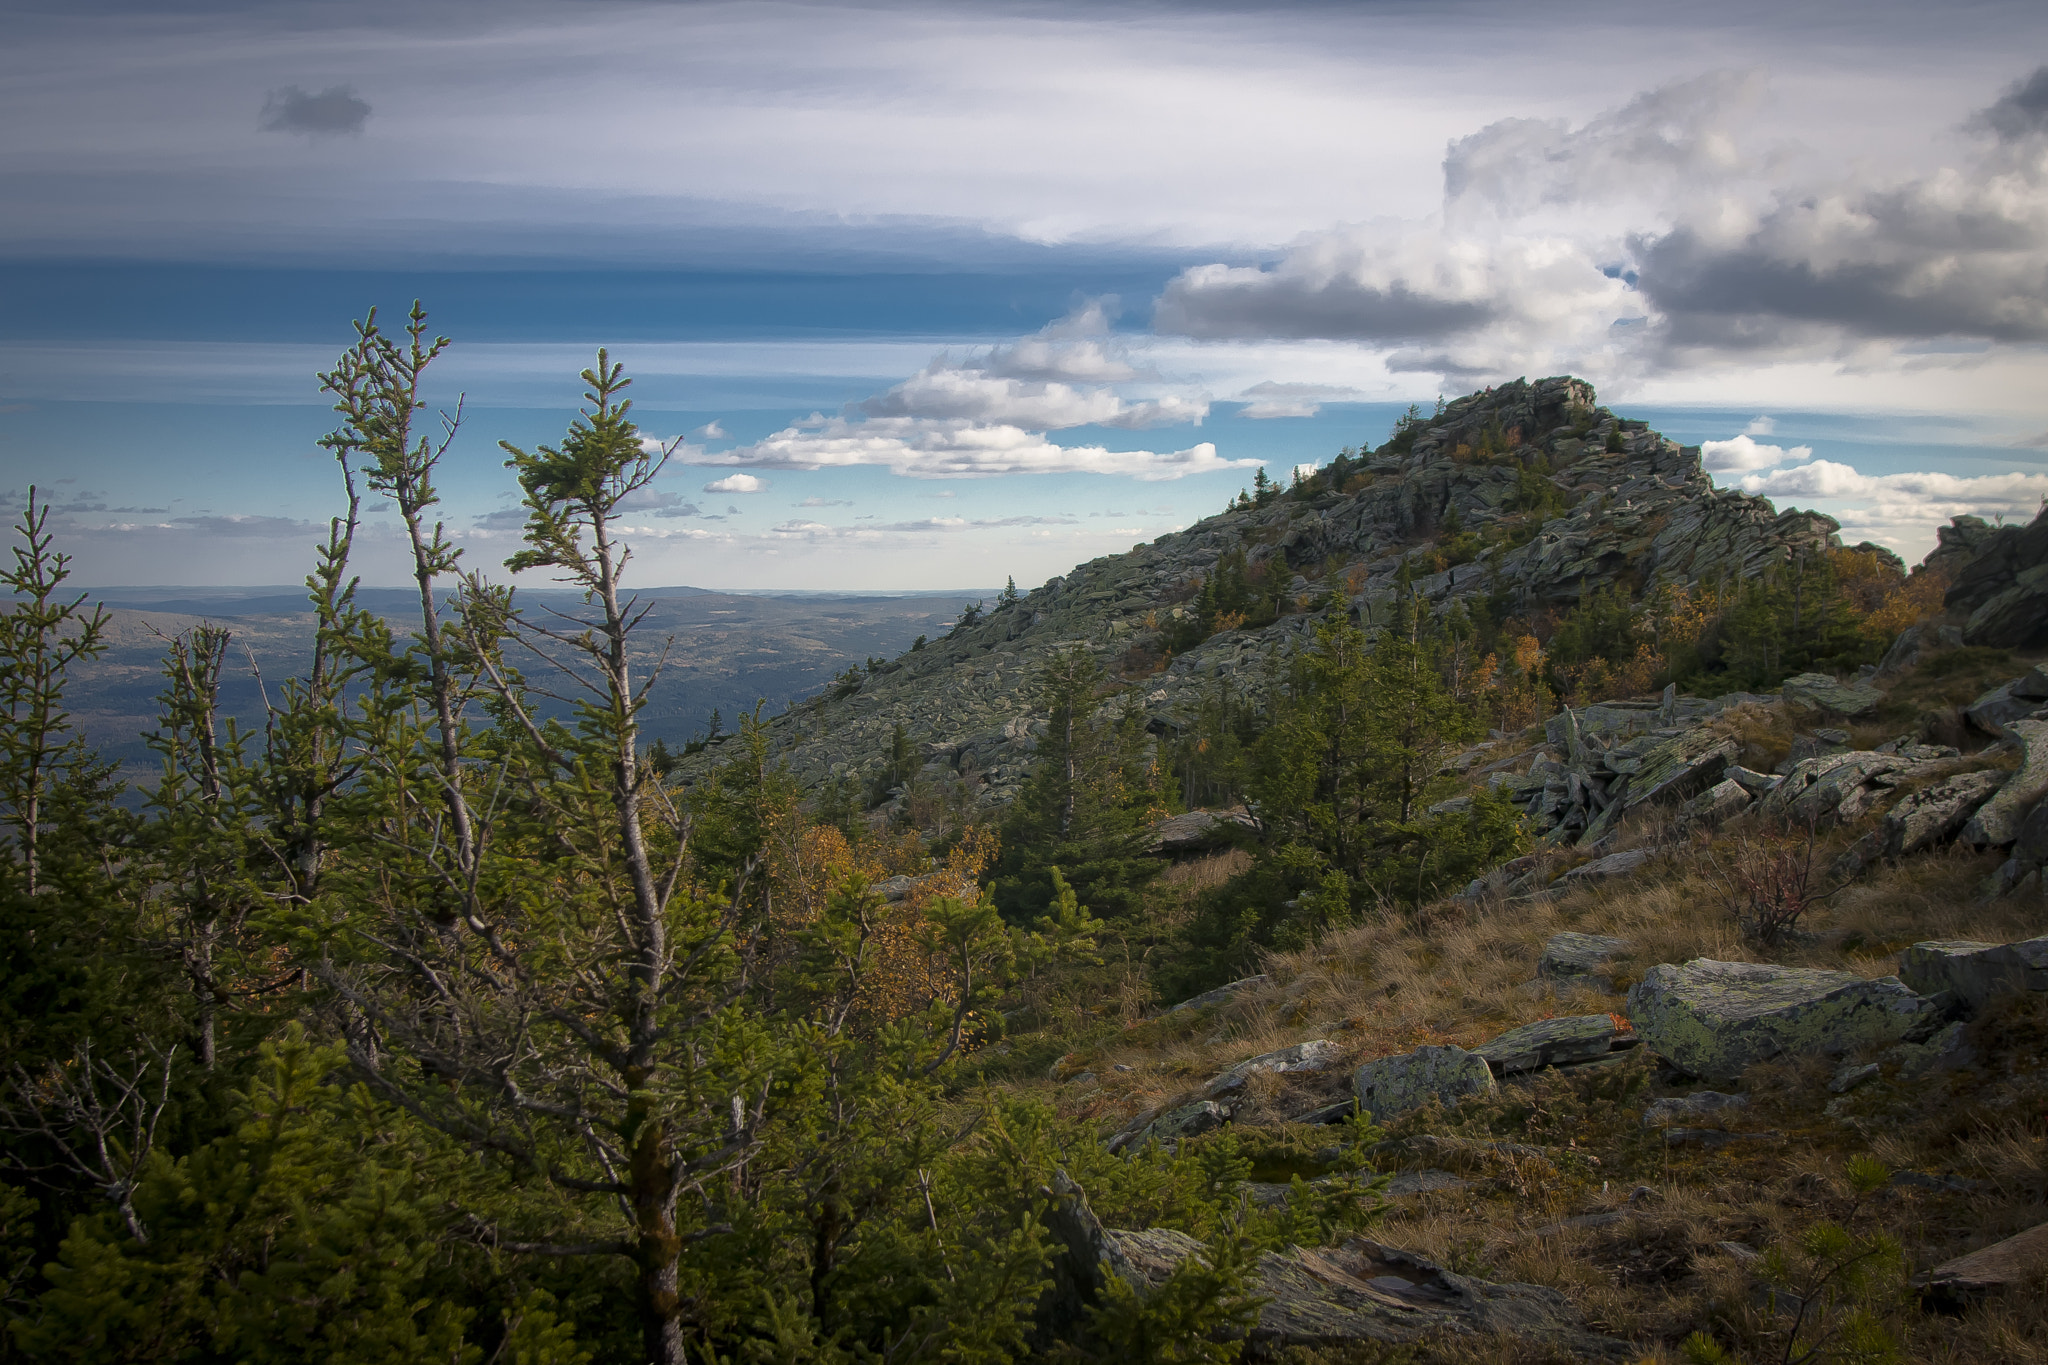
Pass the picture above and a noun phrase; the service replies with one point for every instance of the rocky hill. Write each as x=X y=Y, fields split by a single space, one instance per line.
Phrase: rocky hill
x=1533 y=489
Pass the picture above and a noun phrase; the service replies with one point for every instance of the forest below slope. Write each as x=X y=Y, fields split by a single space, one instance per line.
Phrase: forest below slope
x=419 y=1020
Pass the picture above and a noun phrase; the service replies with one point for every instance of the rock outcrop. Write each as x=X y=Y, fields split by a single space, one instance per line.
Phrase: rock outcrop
x=1716 y=1019
x=1392 y=1086
x=1975 y=973
x=1614 y=500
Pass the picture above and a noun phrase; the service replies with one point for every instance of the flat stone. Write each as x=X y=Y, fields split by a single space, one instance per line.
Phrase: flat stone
x=1549 y=1042
x=1714 y=805
x=1571 y=957
x=1976 y=973
x=1821 y=692
x=1716 y=1019
x=1392 y=1086
x=1849 y=1077
x=1691 y=1109
x=1681 y=767
x=2002 y=704
x=2016 y=1262
x=1613 y=865
x=1408 y=1183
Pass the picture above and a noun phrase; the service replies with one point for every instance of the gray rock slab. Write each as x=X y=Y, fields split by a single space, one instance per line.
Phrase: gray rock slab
x=1197 y=831
x=2015 y=1263
x=1933 y=815
x=1976 y=973
x=1571 y=957
x=1221 y=995
x=1681 y=767
x=1316 y=1055
x=1715 y=1019
x=2002 y=704
x=1613 y=865
x=1549 y=1042
x=1392 y=1086
x=1716 y=804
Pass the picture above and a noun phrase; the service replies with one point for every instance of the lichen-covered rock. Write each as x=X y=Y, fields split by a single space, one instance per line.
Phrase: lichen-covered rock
x=1681 y=767
x=1715 y=1019
x=1975 y=973
x=1823 y=693
x=1570 y=957
x=1834 y=787
x=1392 y=1086
x=1613 y=865
x=1933 y=814
x=1549 y=1042
x=1997 y=821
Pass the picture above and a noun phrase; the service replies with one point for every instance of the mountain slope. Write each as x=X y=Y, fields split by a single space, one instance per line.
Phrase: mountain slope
x=1531 y=491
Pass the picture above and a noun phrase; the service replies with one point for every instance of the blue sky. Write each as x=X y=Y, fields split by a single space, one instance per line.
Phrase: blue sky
x=937 y=295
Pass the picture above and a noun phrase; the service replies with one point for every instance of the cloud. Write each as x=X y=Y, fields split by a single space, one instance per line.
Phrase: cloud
x=736 y=483
x=1903 y=508
x=1653 y=238
x=1760 y=426
x=927 y=448
x=824 y=502
x=817 y=530
x=1056 y=378
x=710 y=431
x=334 y=110
x=1272 y=399
x=2021 y=112
x=1742 y=453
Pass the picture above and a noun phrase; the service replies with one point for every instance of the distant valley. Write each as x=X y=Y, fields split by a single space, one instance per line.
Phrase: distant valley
x=727 y=651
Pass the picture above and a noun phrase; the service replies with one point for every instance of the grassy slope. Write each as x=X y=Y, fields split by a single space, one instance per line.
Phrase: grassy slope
x=1461 y=974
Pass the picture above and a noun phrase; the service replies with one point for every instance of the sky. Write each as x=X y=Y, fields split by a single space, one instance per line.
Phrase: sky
x=927 y=296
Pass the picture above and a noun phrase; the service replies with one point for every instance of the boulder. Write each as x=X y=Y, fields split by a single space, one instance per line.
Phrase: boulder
x=1580 y=958
x=1358 y=1294
x=1613 y=865
x=1549 y=1042
x=1392 y=1086
x=1198 y=831
x=2015 y=1263
x=1975 y=973
x=2002 y=704
x=1837 y=786
x=1716 y=804
x=2016 y=618
x=1915 y=641
x=1997 y=821
x=1753 y=782
x=1715 y=1019
x=1820 y=692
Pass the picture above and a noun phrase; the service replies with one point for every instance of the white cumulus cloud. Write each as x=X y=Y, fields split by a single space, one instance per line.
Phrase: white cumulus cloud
x=1902 y=509
x=933 y=448
x=1271 y=398
x=736 y=483
x=1744 y=452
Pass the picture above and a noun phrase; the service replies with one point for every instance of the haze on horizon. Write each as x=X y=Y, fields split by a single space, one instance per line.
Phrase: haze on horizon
x=939 y=295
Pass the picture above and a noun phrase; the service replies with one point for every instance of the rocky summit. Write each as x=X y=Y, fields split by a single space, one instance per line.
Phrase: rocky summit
x=1537 y=491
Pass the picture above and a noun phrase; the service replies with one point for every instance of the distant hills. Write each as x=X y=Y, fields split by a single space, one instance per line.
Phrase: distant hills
x=727 y=650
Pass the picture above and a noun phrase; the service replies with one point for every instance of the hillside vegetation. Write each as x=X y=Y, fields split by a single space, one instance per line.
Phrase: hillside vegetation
x=1444 y=909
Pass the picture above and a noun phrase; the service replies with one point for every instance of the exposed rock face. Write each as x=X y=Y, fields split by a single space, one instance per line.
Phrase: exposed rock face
x=1549 y=1042
x=1715 y=1019
x=1997 y=821
x=1573 y=958
x=1221 y=995
x=1323 y=1298
x=1646 y=512
x=2004 y=585
x=1197 y=831
x=1914 y=641
x=1975 y=973
x=1392 y=1086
